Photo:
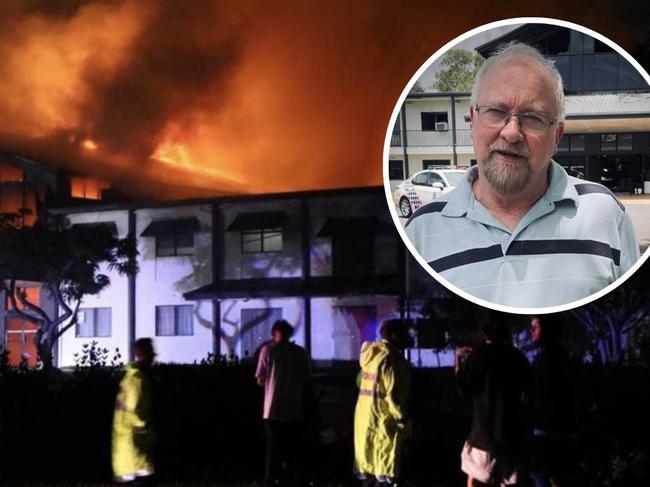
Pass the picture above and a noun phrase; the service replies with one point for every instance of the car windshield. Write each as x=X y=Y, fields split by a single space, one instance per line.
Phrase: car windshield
x=454 y=178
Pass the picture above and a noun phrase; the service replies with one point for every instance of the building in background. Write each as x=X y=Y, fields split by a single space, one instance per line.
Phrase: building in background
x=215 y=274
x=27 y=189
x=607 y=127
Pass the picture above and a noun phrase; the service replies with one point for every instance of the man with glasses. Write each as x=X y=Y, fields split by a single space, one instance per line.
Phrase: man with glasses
x=518 y=231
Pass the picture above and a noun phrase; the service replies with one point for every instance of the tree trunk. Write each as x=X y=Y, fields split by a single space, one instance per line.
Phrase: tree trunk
x=44 y=346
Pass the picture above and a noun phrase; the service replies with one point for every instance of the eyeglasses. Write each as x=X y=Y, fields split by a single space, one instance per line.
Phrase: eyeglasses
x=497 y=118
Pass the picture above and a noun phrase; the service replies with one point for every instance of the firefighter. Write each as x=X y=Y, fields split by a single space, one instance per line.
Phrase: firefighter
x=381 y=420
x=132 y=431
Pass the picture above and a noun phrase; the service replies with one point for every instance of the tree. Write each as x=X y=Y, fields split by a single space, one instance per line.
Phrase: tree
x=460 y=68
x=67 y=262
x=417 y=88
x=610 y=320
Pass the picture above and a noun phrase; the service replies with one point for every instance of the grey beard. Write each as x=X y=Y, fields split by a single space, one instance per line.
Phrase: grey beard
x=507 y=178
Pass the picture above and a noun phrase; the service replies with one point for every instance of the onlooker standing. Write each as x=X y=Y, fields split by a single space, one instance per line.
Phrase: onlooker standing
x=496 y=376
x=283 y=371
x=554 y=412
x=380 y=418
x=132 y=430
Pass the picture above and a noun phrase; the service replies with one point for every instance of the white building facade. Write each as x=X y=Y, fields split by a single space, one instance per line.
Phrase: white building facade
x=215 y=274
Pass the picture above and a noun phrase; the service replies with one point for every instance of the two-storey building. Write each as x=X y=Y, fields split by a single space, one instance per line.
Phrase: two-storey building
x=215 y=274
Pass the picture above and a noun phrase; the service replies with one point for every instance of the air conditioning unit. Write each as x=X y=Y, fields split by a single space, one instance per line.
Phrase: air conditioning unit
x=442 y=126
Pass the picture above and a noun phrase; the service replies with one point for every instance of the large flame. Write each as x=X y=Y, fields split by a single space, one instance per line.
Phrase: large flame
x=225 y=96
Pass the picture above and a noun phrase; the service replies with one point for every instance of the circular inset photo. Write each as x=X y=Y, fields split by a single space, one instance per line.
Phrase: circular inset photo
x=517 y=165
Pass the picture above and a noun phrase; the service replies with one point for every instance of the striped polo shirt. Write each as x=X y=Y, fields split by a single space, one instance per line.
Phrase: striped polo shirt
x=574 y=241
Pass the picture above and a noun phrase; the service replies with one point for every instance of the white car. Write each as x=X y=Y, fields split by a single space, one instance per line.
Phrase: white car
x=425 y=186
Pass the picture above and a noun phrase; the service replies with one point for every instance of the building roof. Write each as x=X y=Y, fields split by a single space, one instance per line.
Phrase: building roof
x=275 y=287
x=525 y=33
x=92 y=206
x=620 y=105
x=438 y=94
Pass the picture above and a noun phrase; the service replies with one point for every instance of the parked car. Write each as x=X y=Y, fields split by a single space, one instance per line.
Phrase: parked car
x=423 y=187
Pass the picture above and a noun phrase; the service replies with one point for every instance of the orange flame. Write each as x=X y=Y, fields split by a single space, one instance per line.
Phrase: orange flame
x=90 y=145
x=223 y=94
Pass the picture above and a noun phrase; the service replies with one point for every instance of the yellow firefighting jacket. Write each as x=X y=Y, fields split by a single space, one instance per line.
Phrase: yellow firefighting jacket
x=132 y=434
x=380 y=416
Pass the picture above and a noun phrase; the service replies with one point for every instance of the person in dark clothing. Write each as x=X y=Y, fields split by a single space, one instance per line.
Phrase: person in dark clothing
x=554 y=415
x=496 y=376
x=283 y=371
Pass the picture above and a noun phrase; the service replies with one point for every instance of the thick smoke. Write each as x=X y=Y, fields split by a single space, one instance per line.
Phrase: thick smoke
x=226 y=96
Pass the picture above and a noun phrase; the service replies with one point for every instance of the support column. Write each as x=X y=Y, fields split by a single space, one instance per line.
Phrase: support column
x=453 y=129
x=218 y=260
x=3 y=321
x=216 y=327
x=404 y=140
x=305 y=241
x=131 y=299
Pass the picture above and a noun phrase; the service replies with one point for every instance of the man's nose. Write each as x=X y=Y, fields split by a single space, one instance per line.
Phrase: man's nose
x=511 y=131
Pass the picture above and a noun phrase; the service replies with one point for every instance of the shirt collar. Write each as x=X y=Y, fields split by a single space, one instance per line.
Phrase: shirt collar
x=559 y=189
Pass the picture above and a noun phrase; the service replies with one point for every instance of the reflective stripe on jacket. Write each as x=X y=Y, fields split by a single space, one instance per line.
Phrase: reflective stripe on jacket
x=380 y=414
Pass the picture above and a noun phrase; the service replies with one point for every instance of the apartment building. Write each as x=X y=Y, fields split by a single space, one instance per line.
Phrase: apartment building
x=215 y=274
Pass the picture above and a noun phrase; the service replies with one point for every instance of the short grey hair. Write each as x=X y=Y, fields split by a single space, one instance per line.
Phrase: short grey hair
x=519 y=50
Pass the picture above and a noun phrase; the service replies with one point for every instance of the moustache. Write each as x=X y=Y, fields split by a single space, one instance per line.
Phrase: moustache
x=508 y=149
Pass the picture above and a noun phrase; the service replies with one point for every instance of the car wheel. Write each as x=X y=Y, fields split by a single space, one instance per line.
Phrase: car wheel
x=405 y=207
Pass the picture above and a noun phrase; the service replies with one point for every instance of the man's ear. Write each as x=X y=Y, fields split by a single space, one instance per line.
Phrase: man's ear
x=559 y=131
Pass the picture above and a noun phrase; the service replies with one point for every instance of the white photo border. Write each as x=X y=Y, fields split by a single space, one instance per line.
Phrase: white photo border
x=389 y=197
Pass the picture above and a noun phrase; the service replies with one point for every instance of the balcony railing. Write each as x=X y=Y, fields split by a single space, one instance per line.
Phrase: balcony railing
x=432 y=138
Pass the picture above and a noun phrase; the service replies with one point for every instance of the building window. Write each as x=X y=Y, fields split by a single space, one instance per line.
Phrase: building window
x=577 y=143
x=435 y=121
x=87 y=188
x=10 y=174
x=435 y=163
x=256 y=326
x=174 y=320
x=607 y=142
x=571 y=143
x=94 y=322
x=261 y=240
x=624 y=141
x=395 y=170
x=613 y=142
x=175 y=244
x=558 y=43
x=353 y=254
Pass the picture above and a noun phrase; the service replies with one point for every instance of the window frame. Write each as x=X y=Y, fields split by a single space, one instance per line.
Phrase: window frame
x=175 y=247
x=262 y=233
x=176 y=308
x=617 y=138
x=394 y=169
x=95 y=311
x=436 y=116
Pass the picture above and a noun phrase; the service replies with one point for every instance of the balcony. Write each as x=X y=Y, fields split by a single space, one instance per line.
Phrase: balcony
x=432 y=138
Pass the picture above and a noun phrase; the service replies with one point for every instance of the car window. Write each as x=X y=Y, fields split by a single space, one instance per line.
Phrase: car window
x=420 y=179
x=435 y=178
x=454 y=178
